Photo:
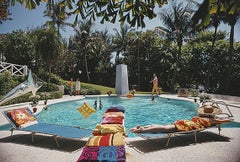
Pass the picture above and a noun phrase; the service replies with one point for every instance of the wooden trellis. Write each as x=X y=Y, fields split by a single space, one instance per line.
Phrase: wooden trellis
x=14 y=69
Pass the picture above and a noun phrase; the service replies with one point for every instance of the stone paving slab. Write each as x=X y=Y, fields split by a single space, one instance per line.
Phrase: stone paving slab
x=210 y=146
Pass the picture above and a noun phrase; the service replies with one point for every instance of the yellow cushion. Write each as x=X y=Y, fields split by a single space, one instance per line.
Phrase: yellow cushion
x=86 y=110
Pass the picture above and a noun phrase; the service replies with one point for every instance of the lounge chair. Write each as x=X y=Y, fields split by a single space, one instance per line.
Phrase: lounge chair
x=23 y=119
x=150 y=136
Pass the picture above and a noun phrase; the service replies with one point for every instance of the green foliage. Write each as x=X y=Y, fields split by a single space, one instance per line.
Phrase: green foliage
x=50 y=95
x=48 y=46
x=208 y=8
x=207 y=36
x=7 y=82
x=90 y=91
x=48 y=87
x=132 y=12
x=29 y=98
x=5 y=11
x=21 y=44
x=55 y=79
x=206 y=65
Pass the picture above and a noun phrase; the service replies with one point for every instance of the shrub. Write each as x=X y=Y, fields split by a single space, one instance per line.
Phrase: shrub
x=29 y=98
x=6 y=83
x=48 y=87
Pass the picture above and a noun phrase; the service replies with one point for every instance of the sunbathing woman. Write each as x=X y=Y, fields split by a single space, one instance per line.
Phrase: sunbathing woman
x=197 y=123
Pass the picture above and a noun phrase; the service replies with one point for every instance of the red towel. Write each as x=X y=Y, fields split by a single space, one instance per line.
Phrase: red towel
x=112 y=120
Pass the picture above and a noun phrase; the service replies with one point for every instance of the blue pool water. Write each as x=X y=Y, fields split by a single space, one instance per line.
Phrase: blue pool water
x=138 y=111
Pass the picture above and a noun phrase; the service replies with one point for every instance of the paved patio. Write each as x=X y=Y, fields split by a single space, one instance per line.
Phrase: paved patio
x=210 y=146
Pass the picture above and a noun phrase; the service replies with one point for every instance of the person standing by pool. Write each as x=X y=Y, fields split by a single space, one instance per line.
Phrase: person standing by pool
x=70 y=84
x=155 y=84
x=78 y=87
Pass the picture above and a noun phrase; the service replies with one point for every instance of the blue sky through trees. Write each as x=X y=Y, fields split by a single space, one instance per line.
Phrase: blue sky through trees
x=28 y=19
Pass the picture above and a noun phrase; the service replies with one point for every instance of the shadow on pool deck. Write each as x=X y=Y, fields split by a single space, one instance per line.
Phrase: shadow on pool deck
x=147 y=146
x=46 y=142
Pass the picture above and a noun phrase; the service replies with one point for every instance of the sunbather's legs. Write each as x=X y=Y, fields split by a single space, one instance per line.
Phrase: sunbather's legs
x=154 y=128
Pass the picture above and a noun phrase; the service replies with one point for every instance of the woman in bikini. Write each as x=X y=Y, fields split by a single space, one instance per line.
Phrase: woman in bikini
x=196 y=123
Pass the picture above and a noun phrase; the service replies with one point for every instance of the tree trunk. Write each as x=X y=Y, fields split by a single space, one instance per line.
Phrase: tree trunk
x=210 y=63
x=49 y=75
x=86 y=67
x=176 y=67
x=230 y=60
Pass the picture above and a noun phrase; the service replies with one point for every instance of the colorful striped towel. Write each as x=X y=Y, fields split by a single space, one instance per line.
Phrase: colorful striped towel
x=108 y=128
x=115 y=139
x=103 y=153
x=112 y=120
x=116 y=109
x=113 y=114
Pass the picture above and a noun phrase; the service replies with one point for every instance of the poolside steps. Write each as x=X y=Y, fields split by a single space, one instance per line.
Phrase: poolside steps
x=107 y=142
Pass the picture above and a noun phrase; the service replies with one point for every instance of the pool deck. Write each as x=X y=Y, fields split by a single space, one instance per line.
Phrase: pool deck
x=209 y=147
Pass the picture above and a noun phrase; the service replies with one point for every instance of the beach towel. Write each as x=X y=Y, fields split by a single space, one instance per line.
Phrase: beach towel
x=103 y=153
x=112 y=120
x=197 y=123
x=116 y=109
x=108 y=128
x=114 y=139
x=114 y=114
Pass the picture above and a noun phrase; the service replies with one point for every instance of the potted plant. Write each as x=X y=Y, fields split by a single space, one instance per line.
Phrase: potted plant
x=109 y=93
x=46 y=98
x=35 y=109
x=203 y=97
x=34 y=103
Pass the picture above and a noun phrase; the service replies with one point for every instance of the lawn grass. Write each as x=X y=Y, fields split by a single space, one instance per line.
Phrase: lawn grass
x=102 y=89
x=105 y=89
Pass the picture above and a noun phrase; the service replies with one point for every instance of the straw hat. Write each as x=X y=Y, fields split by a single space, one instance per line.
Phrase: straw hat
x=208 y=111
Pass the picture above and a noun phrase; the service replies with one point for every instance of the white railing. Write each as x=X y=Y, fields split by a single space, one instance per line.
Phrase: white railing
x=14 y=69
x=218 y=103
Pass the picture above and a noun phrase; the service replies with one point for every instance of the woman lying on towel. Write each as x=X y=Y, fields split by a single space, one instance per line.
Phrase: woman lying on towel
x=196 y=123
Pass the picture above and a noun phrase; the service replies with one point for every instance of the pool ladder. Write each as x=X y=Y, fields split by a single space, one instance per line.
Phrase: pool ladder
x=218 y=103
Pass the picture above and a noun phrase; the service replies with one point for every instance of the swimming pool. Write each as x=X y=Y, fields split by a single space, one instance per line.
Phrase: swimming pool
x=138 y=111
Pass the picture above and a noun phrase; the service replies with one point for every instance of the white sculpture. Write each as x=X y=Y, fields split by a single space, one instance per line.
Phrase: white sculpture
x=121 y=86
x=23 y=88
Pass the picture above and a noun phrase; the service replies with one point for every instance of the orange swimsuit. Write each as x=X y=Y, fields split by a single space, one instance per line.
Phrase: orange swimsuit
x=196 y=123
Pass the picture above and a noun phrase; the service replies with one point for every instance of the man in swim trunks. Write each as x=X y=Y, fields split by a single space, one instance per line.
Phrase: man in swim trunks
x=155 y=84
x=197 y=123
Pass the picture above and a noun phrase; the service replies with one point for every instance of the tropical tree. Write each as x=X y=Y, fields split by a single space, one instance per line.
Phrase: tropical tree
x=49 y=47
x=132 y=11
x=215 y=20
x=4 y=11
x=91 y=51
x=100 y=52
x=19 y=48
x=119 y=41
x=231 y=17
x=57 y=14
x=145 y=54
x=177 y=26
x=81 y=40
x=230 y=9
